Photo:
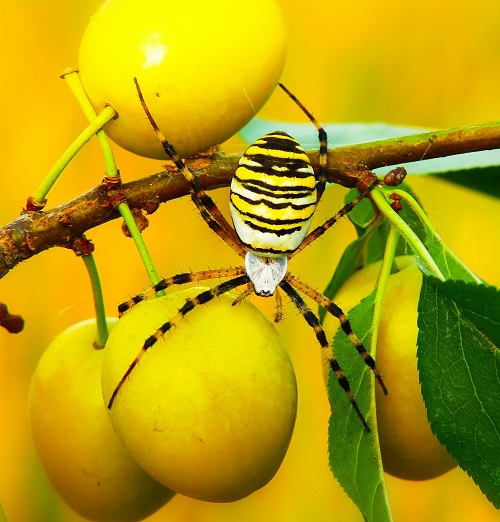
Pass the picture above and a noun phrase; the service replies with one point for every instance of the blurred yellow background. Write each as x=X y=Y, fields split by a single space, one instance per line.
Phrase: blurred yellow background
x=431 y=64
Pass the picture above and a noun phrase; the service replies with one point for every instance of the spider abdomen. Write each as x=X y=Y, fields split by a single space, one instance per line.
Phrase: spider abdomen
x=273 y=195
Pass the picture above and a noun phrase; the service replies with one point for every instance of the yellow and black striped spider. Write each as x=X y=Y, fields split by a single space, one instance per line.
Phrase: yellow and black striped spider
x=274 y=193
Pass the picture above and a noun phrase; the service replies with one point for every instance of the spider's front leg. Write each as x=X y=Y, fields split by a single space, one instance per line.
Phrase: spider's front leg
x=208 y=209
x=202 y=298
x=181 y=279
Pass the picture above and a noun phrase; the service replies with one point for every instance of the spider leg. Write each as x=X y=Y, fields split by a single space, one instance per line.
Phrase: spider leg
x=319 y=231
x=210 y=213
x=278 y=315
x=323 y=144
x=314 y=323
x=335 y=310
x=200 y=299
x=181 y=279
x=205 y=204
x=248 y=291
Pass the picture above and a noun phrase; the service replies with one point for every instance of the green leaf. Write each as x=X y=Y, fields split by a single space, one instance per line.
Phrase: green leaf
x=485 y=179
x=480 y=304
x=459 y=365
x=362 y=214
x=449 y=264
x=354 y=454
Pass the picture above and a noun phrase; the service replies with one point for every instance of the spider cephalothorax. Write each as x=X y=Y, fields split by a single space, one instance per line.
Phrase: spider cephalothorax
x=274 y=194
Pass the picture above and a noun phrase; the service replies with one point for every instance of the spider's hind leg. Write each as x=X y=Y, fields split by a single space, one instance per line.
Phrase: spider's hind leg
x=335 y=310
x=314 y=323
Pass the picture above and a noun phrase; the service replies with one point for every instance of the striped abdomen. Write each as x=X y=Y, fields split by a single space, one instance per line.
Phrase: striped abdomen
x=273 y=195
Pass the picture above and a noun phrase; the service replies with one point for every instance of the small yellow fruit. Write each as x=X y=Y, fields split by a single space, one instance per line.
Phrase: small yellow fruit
x=205 y=68
x=409 y=448
x=210 y=409
x=80 y=453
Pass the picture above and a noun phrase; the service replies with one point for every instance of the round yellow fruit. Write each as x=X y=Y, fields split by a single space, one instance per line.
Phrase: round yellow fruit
x=209 y=410
x=205 y=68
x=409 y=448
x=79 y=451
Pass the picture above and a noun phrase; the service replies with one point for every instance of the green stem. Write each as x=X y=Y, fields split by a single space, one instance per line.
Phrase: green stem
x=73 y=80
x=76 y=87
x=106 y=115
x=383 y=278
x=100 y=312
x=140 y=244
x=413 y=203
x=418 y=211
x=410 y=237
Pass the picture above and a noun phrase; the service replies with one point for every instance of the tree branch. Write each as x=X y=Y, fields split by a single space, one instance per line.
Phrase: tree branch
x=35 y=232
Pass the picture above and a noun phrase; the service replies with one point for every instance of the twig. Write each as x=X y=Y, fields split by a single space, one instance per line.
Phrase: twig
x=33 y=233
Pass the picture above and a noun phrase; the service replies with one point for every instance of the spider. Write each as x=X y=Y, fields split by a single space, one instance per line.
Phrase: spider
x=273 y=196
